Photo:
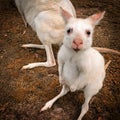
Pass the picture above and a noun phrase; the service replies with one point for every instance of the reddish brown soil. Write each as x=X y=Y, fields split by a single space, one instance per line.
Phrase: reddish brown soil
x=24 y=92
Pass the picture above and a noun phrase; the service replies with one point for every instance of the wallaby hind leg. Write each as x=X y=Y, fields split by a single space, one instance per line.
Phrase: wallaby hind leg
x=50 y=59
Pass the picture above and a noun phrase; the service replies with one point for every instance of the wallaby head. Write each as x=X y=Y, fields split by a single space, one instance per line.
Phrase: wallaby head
x=78 y=32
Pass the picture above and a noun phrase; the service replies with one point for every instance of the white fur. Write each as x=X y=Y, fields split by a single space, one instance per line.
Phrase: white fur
x=82 y=68
x=44 y=16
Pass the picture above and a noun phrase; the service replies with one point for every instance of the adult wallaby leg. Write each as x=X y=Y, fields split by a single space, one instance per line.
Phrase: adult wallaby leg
x=50 y=59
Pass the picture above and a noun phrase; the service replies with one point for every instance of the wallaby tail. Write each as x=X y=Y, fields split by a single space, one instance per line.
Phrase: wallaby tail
x=107 y=50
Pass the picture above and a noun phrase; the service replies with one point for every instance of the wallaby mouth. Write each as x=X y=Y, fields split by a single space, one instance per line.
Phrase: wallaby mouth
x=76 y=50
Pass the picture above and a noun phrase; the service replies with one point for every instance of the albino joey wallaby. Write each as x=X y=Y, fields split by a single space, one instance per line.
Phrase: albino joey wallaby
x=81 y=67
x=45 y=19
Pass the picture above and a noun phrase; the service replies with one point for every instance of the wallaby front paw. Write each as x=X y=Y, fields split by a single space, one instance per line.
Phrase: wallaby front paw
x=73 y=88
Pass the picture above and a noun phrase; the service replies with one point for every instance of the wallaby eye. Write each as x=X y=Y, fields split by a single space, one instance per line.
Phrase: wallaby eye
x=70 y=30
x=88 y=32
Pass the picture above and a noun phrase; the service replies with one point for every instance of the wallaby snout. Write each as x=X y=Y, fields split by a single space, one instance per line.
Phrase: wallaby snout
x=77 y=44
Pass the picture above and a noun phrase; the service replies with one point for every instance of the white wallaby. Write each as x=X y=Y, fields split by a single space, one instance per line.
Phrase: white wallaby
x=45 y=19
x=81 y=67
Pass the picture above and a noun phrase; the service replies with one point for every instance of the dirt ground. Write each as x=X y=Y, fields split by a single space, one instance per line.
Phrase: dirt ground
x=24 y=92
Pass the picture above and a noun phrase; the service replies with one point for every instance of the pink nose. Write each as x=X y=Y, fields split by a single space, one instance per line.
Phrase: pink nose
x=77 y=44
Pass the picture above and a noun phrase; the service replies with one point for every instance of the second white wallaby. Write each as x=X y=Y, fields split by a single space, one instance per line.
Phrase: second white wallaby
x=45 y=19
x=81 y=67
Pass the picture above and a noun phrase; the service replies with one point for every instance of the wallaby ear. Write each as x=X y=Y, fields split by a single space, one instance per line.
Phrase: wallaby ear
x=66 y=15
x=95 y=19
